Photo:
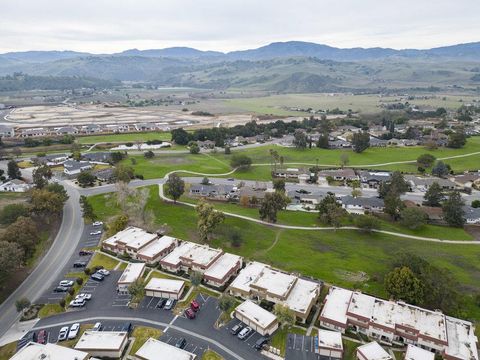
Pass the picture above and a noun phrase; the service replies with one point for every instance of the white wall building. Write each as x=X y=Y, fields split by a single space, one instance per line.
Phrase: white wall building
x=35 y=351
x=154 y=349
x=132 y=273
x=165 y=288
x=103 y=343
x=259 y=319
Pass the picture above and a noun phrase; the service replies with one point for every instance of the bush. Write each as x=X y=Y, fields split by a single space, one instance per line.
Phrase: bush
x=87 y=271
x=22 y=304
x=12 y=212
x=71 y=291
x=241 y=161
x=79 y=281
x=476 y=204
x=62 y=303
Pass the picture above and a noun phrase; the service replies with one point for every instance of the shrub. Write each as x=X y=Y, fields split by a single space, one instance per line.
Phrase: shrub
x=62 y=303
x=79 y=281
x=87 y=271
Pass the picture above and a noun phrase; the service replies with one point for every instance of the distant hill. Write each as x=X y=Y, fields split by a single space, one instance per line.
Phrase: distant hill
x=40 y=56
x=175 y=52
x=28 y=82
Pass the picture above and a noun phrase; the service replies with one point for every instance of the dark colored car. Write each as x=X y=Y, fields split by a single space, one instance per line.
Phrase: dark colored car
x=161 y=303
x=79 y=264
x=189 y=313
x=195 y=305
x=127 y=327
x=60 y=289
x=261 y=343
x=85 y=252
x=96 y=277
x=181 y=343
x=42 y=337
x=236 y=329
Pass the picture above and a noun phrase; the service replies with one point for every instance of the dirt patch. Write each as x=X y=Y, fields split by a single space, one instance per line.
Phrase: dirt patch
x=178 y=160
x=355 y=277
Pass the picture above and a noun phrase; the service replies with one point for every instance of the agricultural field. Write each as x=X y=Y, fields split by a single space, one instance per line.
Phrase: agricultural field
x=343 y=257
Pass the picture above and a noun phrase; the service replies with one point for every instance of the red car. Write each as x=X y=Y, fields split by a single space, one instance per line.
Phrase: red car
x=42 y=337
x=189 y=313
x=195 y=305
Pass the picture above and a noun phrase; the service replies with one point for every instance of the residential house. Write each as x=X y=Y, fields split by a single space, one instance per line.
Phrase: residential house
x=74 y=167
x=33 y=132
x=360 y=205
x=222 y=270
x=129 y=241
x=101 y=157
x=471 y=215
x=105 y=175
x=6 y=131
x=91 y=129
x=66 y=130
x=218 y=192
x=290 y=173
x=15 y=185
x=423 y=183
x=467 y=181
x=51 y=160
x=157 y=249
x=373 y=179
x=339 y=144
x=337 y=175
x=145 y=126
x=375 y=142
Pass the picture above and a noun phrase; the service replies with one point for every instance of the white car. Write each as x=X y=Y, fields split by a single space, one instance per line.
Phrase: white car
x=97 y=223
x=62 y=335
x=103 y=272
x=97 y=326
x=77 y=303
x=72 y=334
x=66 y=283
x=84 y=296
x=99 y=232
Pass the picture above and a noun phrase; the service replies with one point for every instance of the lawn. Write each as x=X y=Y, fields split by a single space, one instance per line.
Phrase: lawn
x=8 y=350
x=350 y=350
x=141 y=335
x=114 y=138
x=344 y=257
x=49 y=310
x=211 y=355
x=103 y=260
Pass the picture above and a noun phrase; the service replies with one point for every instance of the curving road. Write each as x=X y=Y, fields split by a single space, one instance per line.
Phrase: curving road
x=52 y=263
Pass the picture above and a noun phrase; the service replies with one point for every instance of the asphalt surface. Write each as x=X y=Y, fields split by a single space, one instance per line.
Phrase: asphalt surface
x=52 y=264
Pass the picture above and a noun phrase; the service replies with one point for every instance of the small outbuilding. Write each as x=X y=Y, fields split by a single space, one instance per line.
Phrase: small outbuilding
x=165 y=288
x=372 y=351
x=259 y=319
x=108 y=344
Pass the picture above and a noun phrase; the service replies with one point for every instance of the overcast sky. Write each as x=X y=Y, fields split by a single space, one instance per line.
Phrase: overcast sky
x=106 y=26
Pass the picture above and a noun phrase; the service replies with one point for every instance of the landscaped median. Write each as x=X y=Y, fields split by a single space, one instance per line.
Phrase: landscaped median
x=141 y=335
x=211 y=355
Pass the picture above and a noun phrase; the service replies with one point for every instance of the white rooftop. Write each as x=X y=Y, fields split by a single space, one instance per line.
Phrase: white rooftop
x=361 y=305
x=247 y=275
x=174 y=257
x=34 y=351
x=222 y=266
x=256 y=314
x=330 y=339
x=132 y=236
x=101 y=340
x=275 y=282
x=462 y=342
x=302 y=295
x=336 y=305
x=416 y=353
x=157 y=246
x=131 y=273
x=373 y=351
x=154 y=349
x=201 y=254
x=165 y=285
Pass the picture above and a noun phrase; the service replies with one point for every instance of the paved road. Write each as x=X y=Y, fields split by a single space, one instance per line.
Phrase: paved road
x=51 y=265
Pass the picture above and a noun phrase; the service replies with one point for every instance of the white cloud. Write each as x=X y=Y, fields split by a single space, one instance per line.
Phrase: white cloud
x=105 y=26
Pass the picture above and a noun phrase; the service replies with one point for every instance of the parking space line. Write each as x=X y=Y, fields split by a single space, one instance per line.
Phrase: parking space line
x=150 y=302
x=253 y=333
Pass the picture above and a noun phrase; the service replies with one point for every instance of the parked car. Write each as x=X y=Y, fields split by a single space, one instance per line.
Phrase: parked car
x=98 y=232
x=169 y=304
x=261 y=343
x=195 y=305
x=97 y=327
x=85 y=252
x=161 y=303
x=42 y=337
x=97 y=223
x=127 y=327
x=181 y=343
x=66 y=283
x=97 y=277
x=63 y=334
x=103 y=272
x=77 y=303
x=189 y=313
x=84 y=296
x=231 y=179
x=236 y=329
x=61 y=289
x=303 y=191
x=79 y=264
x=242 y=335
x=74 y=329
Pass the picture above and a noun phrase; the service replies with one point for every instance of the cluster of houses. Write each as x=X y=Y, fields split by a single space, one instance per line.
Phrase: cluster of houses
x=397 y=323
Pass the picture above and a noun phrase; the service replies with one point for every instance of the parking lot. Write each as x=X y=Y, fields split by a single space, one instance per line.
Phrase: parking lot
x=249 y=341
x=194 y=345
x=300 y=347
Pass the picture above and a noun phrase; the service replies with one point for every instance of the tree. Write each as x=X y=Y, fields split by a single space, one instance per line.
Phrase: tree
x=434 y=195
x=457 y=139
x=41 y=175
x=123 y=173
x=180 y=136
x=322 y=142
x=208 y=219
x=475 y=204
x=240 y=161
x=136 y=290
x=149 y=154
x=396 y=185
x=227 y=150
x=11 y=212
x=234 y=235
x=441 y=169
x=226 y=302
x=22 y=304
x=205 y=181
x=117 y=156
x=118 y=224
x=85 y=178
x=196 y=278
x=366 y=223
x=24 y=233
x=402 y=284
x=344 y=159
x=279 y=185
x=193 y=147
x=13 y=170
x=300 y=139
x=284 y=314
x=271 y=204
x=59 y=189
x=413 y=218
x=11 y=257
x=330 y=211
x=393 y=204
x=87 y=209
x=360 y=141
x=453 y=210
x=425 y=160
x=45 y=203
x=175 y=187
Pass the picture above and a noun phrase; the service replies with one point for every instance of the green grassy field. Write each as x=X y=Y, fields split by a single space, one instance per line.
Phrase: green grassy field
x=345 y=258
x=113 y=138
